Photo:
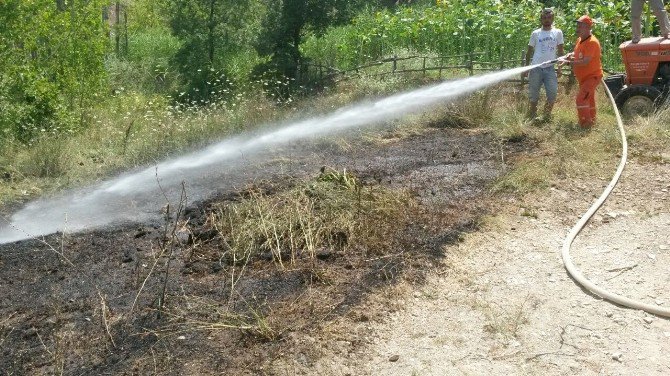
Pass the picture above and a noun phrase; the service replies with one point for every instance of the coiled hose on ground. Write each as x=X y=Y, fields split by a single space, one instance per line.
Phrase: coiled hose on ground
x=570 y=267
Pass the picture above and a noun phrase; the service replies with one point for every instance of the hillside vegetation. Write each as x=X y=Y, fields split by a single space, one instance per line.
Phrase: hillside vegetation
x=85 y=93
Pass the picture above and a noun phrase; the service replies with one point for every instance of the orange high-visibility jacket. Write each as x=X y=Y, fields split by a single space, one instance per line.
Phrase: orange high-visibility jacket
x=588 y=47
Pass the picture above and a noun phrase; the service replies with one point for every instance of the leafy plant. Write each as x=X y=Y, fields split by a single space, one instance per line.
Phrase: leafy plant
x=52 y=61
x=496 y=29
x=211 y=33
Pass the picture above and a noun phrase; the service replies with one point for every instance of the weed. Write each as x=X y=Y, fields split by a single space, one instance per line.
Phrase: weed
x=528 y=176
x=528 y=212
x=332 y=212
x=649 y=137
x=505 y=321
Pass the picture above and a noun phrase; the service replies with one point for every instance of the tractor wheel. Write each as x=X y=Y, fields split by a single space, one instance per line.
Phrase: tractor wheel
x=640 y=100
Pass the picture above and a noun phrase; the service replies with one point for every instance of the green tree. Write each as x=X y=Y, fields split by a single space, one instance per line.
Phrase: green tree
x=212 y=32
x=52 y=57
x=287 y=23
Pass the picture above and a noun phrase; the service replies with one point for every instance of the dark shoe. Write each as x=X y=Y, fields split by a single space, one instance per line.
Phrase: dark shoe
x=635 y=40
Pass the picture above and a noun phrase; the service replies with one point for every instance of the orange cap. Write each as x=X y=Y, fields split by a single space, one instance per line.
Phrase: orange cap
x=585 y=19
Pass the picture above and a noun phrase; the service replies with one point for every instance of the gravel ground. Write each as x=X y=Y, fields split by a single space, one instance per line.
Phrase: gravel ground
x=502 y=302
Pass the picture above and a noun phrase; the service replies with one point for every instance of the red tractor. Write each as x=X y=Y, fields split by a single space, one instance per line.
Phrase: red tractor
x=645 y=85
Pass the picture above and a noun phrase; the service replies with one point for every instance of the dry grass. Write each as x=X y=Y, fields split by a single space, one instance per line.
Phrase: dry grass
x=132 y=129
x=564 y=151
x=649 y=137
x=505 y=321
x=332 y=213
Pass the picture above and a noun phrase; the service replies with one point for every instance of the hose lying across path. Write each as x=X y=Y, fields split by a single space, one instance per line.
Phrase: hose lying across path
x=570 y=267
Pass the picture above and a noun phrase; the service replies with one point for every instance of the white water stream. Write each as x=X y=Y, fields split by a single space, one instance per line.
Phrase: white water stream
x=123 y=198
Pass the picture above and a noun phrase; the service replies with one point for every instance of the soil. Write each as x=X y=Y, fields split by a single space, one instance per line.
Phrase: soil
x=471 y=285
x=501 y=302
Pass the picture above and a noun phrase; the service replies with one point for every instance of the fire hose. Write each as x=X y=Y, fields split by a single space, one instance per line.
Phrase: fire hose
x=570 y=267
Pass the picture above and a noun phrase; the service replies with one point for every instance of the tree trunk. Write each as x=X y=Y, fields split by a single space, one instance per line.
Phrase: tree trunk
x=117 y=28
x=210 y=37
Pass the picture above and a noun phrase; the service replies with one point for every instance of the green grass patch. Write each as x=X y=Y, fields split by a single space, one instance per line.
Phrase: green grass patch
x=528 y=176
x=562 y=150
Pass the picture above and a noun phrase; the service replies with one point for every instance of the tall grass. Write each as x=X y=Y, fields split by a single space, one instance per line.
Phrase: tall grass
x=564 y=150
x=132 y=129
x=649 y=137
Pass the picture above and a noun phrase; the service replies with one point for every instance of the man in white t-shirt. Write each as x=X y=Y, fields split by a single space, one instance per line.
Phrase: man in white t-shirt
x=546 y=44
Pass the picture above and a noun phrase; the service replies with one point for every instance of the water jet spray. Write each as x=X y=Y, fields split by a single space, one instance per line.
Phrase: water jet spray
x=133 y=197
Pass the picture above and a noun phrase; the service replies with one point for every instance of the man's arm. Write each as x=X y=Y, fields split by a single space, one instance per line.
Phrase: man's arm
x=561 y=52
x=529 y=54
x=571 y=59
x=583 y=61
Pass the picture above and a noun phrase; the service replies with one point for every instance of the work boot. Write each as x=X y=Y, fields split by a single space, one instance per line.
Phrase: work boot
x=531 y=115
x=587 y=125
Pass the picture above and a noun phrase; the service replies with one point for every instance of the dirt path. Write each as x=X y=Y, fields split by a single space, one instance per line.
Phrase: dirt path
x=502 y=303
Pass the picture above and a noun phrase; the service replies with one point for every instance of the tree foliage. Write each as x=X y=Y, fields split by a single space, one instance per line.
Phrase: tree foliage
x=212 y=32
x=287 y=23
x=55 y=54
x=52 y=54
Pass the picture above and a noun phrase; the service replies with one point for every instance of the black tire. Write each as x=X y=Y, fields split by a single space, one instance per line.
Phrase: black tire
x=640 y=100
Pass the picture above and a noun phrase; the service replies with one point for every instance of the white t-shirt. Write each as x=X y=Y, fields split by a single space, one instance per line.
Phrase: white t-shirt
x=545 y=43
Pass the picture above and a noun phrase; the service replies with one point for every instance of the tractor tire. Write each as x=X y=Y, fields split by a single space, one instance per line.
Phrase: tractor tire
x=615 y=83
x=638 y=100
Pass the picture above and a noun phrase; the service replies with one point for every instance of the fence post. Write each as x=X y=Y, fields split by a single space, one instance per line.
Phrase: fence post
x=441 y=65
x=502 y=62
x=395 y=63
x=424 y=66
x=523 y=61
x=471 y=65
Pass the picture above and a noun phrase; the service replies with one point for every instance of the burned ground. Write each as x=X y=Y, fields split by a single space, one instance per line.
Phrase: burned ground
x=158 y=298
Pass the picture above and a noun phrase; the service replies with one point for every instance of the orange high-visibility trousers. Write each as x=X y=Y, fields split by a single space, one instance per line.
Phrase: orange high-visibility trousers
x=586 y=101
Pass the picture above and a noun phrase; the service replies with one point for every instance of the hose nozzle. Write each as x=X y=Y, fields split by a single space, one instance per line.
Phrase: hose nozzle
x=559 y=59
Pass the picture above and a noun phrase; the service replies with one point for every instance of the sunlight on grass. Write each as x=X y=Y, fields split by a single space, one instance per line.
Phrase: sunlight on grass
x=649 y=138
x=131 y=129
x=332 y=212
x=563 y=150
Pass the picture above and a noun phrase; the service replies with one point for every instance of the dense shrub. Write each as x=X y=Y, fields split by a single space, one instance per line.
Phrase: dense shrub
x=52 y=65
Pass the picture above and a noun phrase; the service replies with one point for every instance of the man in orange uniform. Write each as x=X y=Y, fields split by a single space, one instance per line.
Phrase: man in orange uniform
x=585 y=61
